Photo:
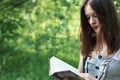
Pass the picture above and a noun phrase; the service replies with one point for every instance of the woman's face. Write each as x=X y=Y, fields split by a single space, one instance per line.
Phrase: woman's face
x=92 y=18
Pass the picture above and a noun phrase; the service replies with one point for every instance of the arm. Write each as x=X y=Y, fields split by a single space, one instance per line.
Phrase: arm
x=85 y=76
x=80 y=66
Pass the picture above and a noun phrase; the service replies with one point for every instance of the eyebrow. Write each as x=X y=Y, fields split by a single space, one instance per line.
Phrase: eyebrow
x=94 y=13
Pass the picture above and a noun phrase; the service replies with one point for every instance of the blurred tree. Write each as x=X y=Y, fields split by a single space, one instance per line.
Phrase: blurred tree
x=31 y=31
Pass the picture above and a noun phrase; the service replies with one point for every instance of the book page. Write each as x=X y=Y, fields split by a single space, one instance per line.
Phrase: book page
x=57 y=65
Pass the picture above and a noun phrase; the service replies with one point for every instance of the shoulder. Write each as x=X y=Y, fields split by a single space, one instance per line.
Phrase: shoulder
x=117 y=55
x=112 y=69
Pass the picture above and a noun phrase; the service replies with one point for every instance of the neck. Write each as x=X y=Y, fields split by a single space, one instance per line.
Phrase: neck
x=99 y=42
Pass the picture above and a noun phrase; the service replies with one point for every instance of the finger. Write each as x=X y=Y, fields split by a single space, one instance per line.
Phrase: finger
x=84 y=76
x=66 y=79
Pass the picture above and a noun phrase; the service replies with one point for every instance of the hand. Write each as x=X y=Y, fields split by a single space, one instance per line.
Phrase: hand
x=66 y=79
x=87 y=76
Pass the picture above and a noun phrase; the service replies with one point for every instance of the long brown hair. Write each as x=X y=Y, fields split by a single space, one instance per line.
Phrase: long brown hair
x=110 y=29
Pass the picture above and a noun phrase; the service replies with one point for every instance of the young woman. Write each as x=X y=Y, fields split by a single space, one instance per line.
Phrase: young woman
x=100 y=41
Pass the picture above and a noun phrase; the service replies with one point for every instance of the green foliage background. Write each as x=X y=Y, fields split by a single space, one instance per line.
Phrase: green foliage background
x=31 y=31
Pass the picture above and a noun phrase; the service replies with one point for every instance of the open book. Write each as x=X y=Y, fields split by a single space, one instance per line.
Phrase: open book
x=62 y=70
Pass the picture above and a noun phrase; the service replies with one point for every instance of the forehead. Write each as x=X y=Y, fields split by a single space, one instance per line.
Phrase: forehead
x=88 y=10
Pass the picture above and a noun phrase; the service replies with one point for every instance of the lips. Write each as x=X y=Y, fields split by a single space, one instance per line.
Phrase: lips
x=94 y=27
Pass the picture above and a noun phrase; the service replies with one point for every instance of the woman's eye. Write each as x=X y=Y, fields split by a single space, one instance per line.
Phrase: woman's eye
x=95 y=16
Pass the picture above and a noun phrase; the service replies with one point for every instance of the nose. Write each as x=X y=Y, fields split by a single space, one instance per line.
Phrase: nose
x=92 y=20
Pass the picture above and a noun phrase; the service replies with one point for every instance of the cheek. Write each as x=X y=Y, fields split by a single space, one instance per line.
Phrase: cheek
x=97 y=20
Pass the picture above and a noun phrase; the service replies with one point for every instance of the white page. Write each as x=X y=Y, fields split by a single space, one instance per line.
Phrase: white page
x=57 y=65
